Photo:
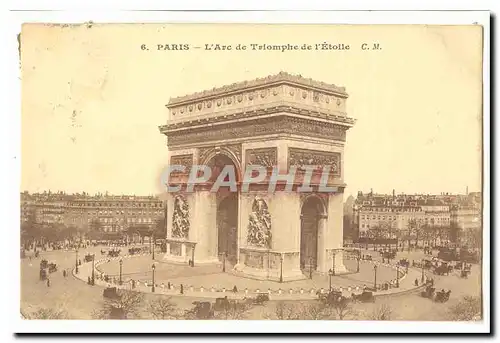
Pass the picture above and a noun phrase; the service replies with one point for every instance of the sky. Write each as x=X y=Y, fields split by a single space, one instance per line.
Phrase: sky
x=92 y=100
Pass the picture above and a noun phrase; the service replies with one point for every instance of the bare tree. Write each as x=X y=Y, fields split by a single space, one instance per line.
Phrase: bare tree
x=163 y=308
x=234 y=310
x=126 y=306
x=284 y=311
x=467 y=309
x=342 y=308
x=47 y=313
x=382 y=312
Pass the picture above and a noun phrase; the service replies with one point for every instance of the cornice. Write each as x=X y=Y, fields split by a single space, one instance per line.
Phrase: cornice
x=256 y=113
x=280 y=78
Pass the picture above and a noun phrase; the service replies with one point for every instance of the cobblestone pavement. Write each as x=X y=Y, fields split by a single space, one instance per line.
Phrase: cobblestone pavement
x=79 y=300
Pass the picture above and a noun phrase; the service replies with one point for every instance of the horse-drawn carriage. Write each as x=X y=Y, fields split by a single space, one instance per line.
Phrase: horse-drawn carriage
x=443 y=269
x=464 y=273
x=44 y=264
x=390 y=255
x=111 y=293
x=259 y=299
x=52 y=267
x=201 y=310
x=88 y=258
x=442 y=296
x=404 y=262
x=428 y=293
x=114 y=253
x=364 y=297
x=329 y=298
x=133 y=251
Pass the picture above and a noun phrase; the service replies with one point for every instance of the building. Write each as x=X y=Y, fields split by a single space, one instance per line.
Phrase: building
x=402 y=214
x=108 y=213
x=278 y=121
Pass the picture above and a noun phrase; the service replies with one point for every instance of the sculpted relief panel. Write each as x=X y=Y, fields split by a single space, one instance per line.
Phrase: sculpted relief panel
x=319 y=159
x=259 y=225
x=183 y=160
x=284 y=124
x=266 y=157
x=180 y=218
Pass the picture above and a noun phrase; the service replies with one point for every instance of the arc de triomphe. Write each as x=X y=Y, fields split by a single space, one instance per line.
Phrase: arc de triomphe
x=281 y=120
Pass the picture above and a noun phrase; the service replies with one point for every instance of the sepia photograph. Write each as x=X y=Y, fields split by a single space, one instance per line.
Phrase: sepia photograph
x=279 y=172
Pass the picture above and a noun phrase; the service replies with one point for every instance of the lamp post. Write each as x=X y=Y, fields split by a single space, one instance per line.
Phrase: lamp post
x=93 y=268
x=224 y=254
x=310 y=268
x=153 y=285
x=422 y=278
x=359 y=257
x=375 y=279
x=397 y=275
x=330 y=274
x=281 y=268
x=154 y=245
x=333 y=262
x=121 y=264
x=76 y=261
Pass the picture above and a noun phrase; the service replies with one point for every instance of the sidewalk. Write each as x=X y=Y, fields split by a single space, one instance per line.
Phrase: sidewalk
x=281 y=292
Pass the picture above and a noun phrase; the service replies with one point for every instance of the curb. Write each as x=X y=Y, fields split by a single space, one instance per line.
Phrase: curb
x=211 y=292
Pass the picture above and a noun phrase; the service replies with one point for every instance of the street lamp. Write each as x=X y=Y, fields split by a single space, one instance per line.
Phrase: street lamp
x=422 y=278
x=93 y=268
x=333 y=262
x=375 y=279
x=310 y=268
x=153 y=285
x=121 y=264
x=224 y=254
x=281 y=268
x=76 y=261
x=397 y=275
x=359 y=257
x=330 y=274
x=154 y=245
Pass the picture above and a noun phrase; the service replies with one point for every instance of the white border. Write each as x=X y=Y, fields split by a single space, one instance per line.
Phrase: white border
x=11 y=139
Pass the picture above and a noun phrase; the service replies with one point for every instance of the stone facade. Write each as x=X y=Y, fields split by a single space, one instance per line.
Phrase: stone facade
x=278 y=121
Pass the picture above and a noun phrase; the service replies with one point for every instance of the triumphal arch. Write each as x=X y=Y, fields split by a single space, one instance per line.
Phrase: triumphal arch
x=283 y=121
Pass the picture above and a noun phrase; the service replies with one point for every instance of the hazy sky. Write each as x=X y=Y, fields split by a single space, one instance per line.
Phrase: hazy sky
x=93 y=100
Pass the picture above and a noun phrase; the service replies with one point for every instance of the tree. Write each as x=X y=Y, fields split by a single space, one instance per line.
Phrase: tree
x=284 y=311
x=126 y=306
x=381 y=312
x=163 y=308
x=234 y=310
x=342 y=308
x=47 y=313
x=467 y=309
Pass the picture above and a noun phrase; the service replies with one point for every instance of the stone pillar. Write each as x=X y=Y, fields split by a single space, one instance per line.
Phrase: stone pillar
x=204 y=227
x=335 y=234
x=322 y=252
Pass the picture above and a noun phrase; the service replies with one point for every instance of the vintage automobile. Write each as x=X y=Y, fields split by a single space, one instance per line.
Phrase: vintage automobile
x=364 y=297
x=111 y=293
x=88 y=258
x=404 y=262
x=442 y=296
x=52 y=267
x=43 y=274
x=464 y=273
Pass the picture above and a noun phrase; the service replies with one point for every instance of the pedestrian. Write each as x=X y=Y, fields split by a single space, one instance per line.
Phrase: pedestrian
x=48 y=282
x=416 y=282
x=182 y=289
x=168 y=285
x=64 y=272
x=235 y=290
